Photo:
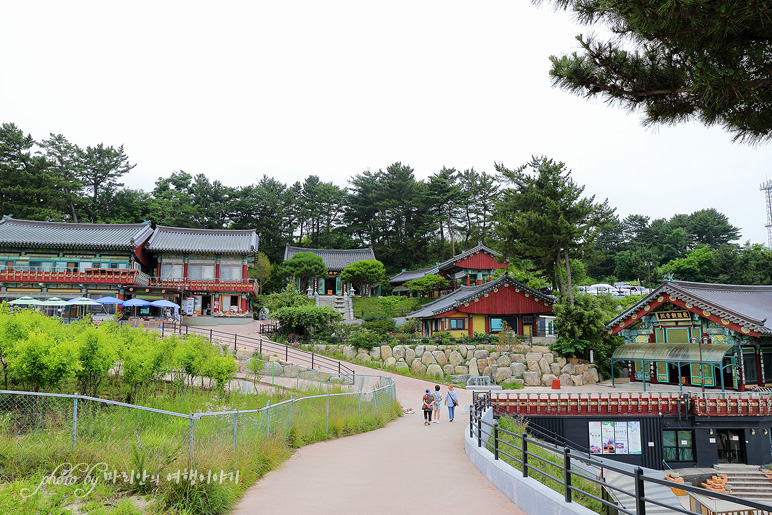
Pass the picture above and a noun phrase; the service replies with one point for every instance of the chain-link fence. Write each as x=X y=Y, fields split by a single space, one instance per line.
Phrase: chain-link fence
x=39 y=430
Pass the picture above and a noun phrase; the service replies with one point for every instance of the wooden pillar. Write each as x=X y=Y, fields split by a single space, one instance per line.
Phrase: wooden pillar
x=244 y=274
x=243 y=304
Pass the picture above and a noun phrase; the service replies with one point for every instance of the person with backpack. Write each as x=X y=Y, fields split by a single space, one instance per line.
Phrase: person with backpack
x=427 y=406
x=451 y=401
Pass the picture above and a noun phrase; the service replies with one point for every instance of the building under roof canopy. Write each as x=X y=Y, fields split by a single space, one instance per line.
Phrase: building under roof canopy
x=334 y=259
x=35 y=234
x=203 y=241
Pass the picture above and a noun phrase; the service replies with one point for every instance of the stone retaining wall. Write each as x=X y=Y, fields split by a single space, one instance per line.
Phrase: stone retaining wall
x=529 y=366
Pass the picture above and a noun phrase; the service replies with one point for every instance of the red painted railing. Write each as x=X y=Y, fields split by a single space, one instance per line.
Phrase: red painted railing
x=87 y=276
x=190 y=285
x=632 y=404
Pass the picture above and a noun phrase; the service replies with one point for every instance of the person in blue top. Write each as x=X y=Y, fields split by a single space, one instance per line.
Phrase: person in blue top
x=451 y=401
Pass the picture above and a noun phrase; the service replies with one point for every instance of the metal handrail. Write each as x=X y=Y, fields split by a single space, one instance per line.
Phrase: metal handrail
x=482 y=430
x=261 y=345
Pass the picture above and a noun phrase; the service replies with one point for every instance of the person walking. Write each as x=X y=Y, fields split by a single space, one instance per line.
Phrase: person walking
x=451 y=401
x=437 y=403
x=427 y=406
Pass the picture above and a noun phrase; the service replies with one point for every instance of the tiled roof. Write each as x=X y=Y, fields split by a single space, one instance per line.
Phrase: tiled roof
x=446 y=265
x=467 y=293
x=29 y=233
x=215 y=241
x=405 y=276
x=334 y=259
x=747 y=306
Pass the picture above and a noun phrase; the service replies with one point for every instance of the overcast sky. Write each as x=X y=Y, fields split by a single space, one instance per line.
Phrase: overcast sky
x=288 y=88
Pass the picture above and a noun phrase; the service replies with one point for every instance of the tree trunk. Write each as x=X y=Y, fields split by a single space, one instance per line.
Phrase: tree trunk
x=568 y=279
x=450 y=232
x=561 y=285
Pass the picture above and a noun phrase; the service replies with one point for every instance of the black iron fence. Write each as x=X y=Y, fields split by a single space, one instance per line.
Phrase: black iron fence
x=573 y=463
x=261 y=345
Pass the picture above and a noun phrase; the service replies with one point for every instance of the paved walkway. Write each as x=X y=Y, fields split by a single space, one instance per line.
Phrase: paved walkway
x=406 y=467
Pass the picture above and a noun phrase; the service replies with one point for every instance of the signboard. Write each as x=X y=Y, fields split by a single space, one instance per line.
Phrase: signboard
x=615 y=437
x=187 y=306
x=596 y=442
x=607 y=433
x=673 y=315
x=620 y=435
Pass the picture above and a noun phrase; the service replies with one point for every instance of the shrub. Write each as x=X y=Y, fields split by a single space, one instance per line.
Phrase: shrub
x=306 y=320
x=364 y=339
x=382 y=326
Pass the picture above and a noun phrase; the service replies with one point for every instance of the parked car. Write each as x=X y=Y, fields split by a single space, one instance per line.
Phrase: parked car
x=639 y=290
x=600 y=288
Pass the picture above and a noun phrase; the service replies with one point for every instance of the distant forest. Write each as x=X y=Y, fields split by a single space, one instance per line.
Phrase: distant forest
x=409 y=223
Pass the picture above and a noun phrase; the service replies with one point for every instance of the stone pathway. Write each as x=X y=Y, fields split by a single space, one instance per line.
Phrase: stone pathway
x=406 y=467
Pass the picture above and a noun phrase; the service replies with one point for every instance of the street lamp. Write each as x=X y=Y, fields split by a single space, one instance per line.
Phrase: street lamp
x=648 y=270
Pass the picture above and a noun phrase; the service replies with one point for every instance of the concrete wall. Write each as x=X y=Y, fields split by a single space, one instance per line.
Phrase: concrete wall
x=530 y=495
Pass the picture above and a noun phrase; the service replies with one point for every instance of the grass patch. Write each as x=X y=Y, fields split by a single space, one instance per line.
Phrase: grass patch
x=395 y=306
x=36 y=438
x=537 y=468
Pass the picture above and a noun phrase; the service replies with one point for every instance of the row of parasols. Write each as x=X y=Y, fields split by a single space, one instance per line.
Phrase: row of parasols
x=84 y=301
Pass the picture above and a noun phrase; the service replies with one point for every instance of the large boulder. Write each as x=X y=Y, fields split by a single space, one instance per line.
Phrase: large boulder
x=540 y=348
x=554 y=369
x=389 y=362
x=502 y=375
x=487 y=371
x=428 y=359
x=291 y=371
x=434 y=370
x=546 y=379
x=461 y=369
x=430 y=348
x=409 y=355
x=577 y=379
x=533 y=366
x=473 y=370
x=588 y=379
x=565 y=380
x=517 y=380
x=462 y=349
x=417 y=366
x=349 y=351
x=549 y=357
x=494 y=356
x=519 y=358
x=386 y=352
x=518 y=369
x=364 y=357
x=533 y=356
x=419 y=349
x=503 y=361
x=439 y=357
x=594 y=373
x=561 y=362
x=481 y=353
x=448 y=369
x=398 y=351
x=544 y=366
x=532 y=378
x=375 y=353
x=401 y=365
x=483 y=363
x=455 y=358
x=568 y=368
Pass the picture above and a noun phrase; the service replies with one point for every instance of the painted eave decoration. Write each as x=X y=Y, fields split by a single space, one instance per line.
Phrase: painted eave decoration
x=740 y=308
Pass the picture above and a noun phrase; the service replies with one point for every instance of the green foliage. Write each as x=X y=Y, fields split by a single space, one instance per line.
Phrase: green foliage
x=97 y=355
x=364 y=274
x=286 y=298
x=304 y=266
x=42 y=361
x=306 y=320
x=707 y=61
x=260 y=270
x=364 y=339
x=543 y=218
x=427 y=284
x=381 y=325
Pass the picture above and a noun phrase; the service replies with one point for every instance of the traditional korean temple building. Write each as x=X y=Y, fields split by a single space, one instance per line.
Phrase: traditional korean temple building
x=682 y=325
x=473 y=267
x=486 y=308
x=399 y=280
x=336 y=260
x=208 y=267
x=203 y=270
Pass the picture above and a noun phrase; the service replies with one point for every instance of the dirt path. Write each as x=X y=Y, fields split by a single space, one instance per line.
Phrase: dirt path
x=406 y=467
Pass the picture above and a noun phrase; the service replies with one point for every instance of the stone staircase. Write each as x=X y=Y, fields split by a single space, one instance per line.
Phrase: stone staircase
x=747 y=481
x=341 y=303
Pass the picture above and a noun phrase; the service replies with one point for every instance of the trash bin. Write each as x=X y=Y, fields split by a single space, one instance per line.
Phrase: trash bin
x=556 y=384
